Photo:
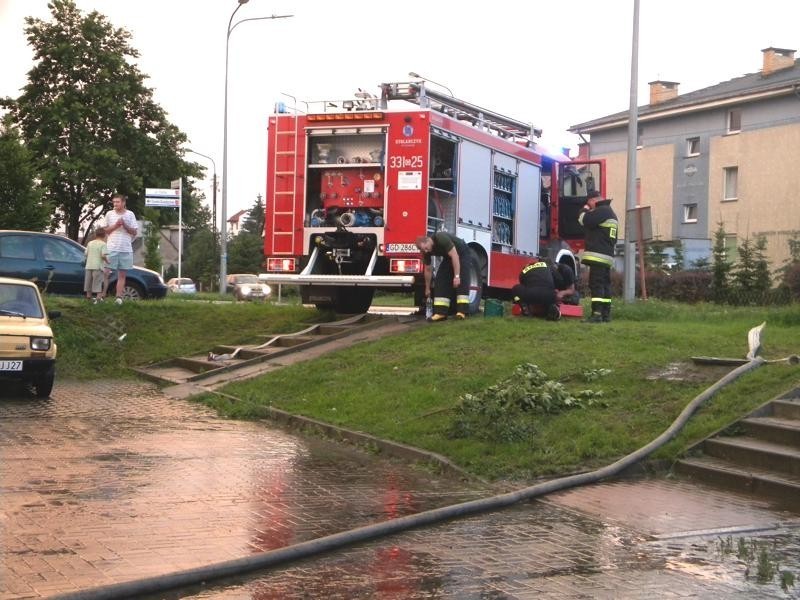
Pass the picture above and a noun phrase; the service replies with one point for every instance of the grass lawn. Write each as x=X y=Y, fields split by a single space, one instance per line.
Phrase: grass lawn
x=88 y=334
x=406 y=388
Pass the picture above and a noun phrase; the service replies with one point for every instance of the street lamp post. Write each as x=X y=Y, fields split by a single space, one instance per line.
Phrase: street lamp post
x=418 y=76
x=223 y=258
x=213 y=193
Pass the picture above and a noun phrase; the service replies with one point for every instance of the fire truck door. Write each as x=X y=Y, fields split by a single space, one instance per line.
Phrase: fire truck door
x=528 y=205
x=475 y=183
x=575 y=180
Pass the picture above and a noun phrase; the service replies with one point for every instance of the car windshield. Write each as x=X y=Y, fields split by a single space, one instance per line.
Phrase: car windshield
x=184 y=282
x=237 y=279
x=19 y=300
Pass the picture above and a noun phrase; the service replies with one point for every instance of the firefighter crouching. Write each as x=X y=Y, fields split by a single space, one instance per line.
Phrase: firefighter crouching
x=600 y=224
x=452 y=274
x=542 y=288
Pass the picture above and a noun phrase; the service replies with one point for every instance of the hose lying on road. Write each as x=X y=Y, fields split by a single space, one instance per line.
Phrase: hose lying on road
x=281 y=556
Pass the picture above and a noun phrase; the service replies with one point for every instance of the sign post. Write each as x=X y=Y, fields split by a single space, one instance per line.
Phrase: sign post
x=169 y=198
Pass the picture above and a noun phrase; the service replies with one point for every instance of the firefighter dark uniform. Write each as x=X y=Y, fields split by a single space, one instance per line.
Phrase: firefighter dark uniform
x=443 y=288
x=600 y=225
x=536 y=291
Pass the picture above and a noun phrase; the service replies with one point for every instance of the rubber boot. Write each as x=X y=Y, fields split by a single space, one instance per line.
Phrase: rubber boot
x=606 y=314
x=553 y=313
x=596 y=316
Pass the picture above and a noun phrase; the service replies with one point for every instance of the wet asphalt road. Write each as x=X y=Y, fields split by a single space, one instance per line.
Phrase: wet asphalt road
x=112 y=481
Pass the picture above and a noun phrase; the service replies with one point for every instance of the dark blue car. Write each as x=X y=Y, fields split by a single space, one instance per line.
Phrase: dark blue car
x=55 y=263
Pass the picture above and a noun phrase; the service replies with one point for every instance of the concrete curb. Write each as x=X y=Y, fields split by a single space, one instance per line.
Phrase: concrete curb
x=359 y=438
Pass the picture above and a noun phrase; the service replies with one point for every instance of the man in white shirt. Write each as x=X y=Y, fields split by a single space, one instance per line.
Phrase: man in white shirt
x=121 y=228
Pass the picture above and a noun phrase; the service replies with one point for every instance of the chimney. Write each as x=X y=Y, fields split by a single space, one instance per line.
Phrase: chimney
x=661 y=91
x=776 y=59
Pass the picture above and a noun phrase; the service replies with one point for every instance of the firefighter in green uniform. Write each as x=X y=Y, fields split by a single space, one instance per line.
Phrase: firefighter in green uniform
x=452 y=274
x=600 y=224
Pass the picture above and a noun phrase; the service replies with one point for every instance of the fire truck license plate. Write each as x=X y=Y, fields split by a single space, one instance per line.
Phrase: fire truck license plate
x=402 y=248
x=10 y=365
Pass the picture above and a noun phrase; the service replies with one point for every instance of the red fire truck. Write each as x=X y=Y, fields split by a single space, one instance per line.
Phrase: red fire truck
x=353 y=184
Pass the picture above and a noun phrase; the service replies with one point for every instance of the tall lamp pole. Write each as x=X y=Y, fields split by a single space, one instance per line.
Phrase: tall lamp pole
x=629 y=273
x=418 y=76
x=213 y=192
x=223 y=258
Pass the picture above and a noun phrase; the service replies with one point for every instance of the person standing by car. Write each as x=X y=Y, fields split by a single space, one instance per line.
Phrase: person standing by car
x=96 y=255
x=121 y=228
x=600 y=223
x=451 y=275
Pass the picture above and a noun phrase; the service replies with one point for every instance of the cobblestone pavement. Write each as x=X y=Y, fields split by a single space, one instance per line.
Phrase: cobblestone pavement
x=113 y=481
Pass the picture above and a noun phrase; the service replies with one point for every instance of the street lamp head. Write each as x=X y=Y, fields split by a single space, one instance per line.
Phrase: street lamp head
x=243 y=1
x=412 y=74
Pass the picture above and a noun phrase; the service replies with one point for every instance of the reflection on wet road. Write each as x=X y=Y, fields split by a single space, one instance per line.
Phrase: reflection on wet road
x=112 y=481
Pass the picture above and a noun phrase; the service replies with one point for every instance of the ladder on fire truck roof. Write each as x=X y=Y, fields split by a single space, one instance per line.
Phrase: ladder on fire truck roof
x=285 y=140
x=417 y=93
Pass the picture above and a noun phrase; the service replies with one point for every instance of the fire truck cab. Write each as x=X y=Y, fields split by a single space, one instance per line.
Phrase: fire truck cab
x=352 y=183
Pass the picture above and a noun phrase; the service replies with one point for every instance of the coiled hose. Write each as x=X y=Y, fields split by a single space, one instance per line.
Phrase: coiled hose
x=282 y=556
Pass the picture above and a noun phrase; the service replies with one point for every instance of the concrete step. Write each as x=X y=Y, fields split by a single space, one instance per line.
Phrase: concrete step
x=773 y=429
x=786 y=408
x=748 y=452
x=751 y=480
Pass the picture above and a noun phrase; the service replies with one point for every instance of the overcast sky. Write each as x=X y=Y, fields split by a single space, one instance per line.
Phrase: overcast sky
x=554 y=63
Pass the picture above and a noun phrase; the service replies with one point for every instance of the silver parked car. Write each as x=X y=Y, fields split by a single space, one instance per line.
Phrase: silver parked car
x=182 y=285
x=248 y=287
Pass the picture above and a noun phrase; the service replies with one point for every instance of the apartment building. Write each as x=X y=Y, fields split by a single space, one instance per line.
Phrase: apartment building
x=728 y=153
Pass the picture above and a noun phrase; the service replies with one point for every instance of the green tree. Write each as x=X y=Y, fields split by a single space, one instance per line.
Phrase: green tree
x=720 y=267
x=677 y=247
x=89 y=120
x=246 y=253
x=255 y=218
x=202 y=258
x=152 y=249
x=750 y=278
x=21 y=205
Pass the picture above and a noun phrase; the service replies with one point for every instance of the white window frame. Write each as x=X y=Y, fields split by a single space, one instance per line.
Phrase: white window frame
x=690 y=213
x=734 y=114
x=730 y=184
x=693 y=146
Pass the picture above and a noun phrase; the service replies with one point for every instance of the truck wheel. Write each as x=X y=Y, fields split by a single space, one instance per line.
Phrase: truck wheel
x=44 y=384
x=353 y=301
x=475 y=284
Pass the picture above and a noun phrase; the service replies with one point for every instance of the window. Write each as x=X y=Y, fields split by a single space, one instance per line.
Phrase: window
x=690 y=213
x=639 y=136
x=734 y=120
x=693 y=146
x=731 y=183
x=59 y=251
x=17 y=246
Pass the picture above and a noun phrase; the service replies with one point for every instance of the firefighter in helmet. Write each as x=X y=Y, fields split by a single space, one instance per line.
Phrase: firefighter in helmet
x=542 y=288
x=451 y=276
x=600 y=225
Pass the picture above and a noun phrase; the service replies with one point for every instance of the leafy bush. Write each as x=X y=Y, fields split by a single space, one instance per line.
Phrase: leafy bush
x=682 y=286
x=791 y=280
x=501 y=413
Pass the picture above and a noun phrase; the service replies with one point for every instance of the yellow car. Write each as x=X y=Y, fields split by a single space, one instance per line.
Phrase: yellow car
x=27 y=348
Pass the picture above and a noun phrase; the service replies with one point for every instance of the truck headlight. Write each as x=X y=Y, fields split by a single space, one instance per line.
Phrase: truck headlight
x=41 y=343
x=245 y=290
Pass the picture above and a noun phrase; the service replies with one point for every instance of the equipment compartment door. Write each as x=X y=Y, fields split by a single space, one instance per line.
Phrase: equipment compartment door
x=475 y=184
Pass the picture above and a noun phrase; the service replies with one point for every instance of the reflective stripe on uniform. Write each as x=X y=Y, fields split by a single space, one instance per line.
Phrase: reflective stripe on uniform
x=597 y=258
x=462 y=299
x=441 y=301
x=602 y=300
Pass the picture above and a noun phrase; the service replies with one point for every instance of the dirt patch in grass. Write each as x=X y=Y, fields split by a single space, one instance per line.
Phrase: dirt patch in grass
x=688 y=372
